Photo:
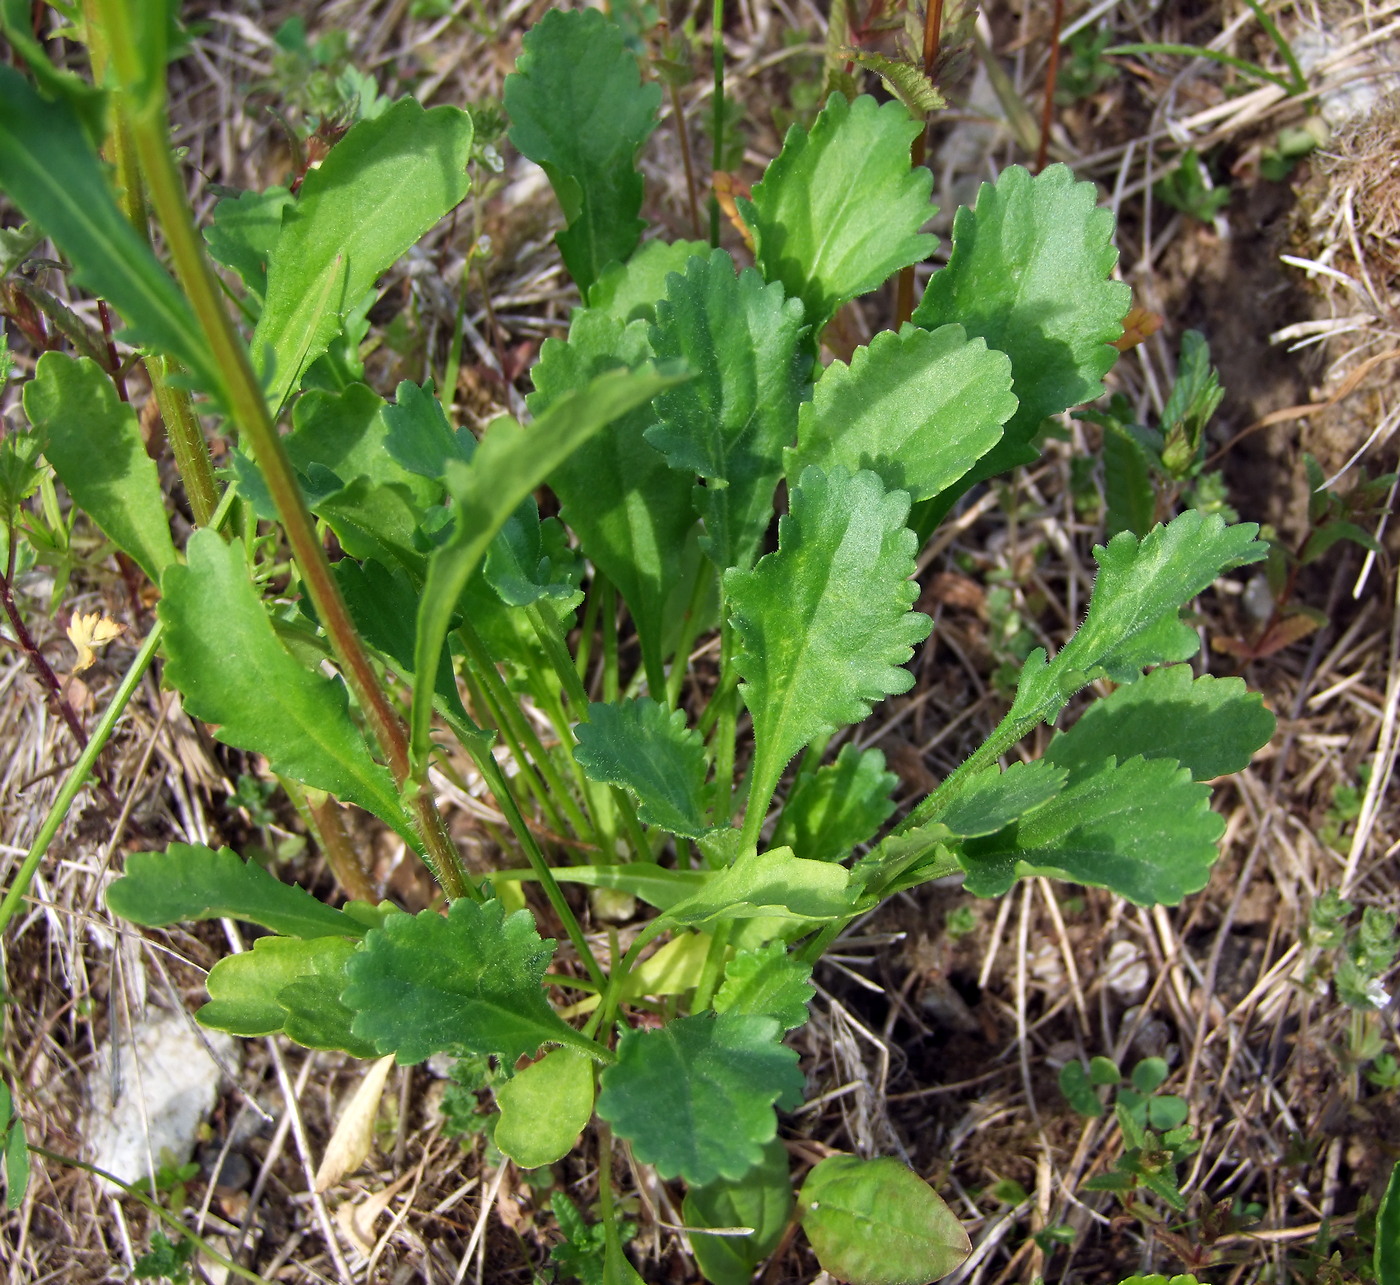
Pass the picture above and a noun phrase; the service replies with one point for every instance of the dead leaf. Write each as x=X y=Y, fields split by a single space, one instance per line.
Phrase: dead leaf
x=354 y=1131
x=89 y=632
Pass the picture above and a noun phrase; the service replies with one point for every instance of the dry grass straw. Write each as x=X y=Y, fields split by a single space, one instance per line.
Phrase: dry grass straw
x=935 y=1046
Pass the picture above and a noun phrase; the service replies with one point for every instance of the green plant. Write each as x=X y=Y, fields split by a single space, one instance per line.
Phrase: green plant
x=684 y=394
x=1084 y=70
x=1187 y=187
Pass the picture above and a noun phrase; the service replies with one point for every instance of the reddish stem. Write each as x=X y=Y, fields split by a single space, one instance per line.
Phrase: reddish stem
x=1052 y=72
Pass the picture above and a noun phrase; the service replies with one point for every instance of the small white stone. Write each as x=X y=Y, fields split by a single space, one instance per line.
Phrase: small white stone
x=1126 y=972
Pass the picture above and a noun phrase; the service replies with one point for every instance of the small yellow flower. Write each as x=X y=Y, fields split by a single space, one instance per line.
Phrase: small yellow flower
x=89 y=632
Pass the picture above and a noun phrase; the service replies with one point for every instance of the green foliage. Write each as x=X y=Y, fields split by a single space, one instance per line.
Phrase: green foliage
x=728 y=1067
x=16 y=1149
x=767 y=981
x=544 y=1108
x=1187 y=188
x=1387 y=1254
x=1083 y=68
x=581 y=1253
x=830 y=812
x=578 y=109
x=165 y=1260
x=875 y=1222
x=762 y=1200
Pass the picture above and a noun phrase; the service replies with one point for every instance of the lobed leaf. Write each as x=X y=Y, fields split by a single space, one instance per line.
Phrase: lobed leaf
x=1142 y=829
x=578 y=108
x=646 y=748
x=919 y=408
x=672 y=1087
x=1029 y=274
x=838 y=211
x=190 y=881
x=418 y=433
x=876 y=1222
x=289 y=985
x=1386 y=1255
x=379 y=189
x=994 y=799
x=841 y=805
x=767 y=884
x=762 y=1199
x=629 y=291
x=730 y=423
x=48 y=169
x=767 y=981
x=630 y=511
x=468 y=982
x=93 y=441
x=243 y=233
x=544 y=1108
x=824 y=623
x=224 y=657
x=1210 y=725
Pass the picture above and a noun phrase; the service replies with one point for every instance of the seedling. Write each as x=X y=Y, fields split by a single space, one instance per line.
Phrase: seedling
x=685 y=393
x=1188 y=188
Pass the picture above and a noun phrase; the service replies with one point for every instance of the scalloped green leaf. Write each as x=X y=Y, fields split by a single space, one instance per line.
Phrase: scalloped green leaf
x=243 y=232
x=876 y=1222
x=646 y=748
x=994 y=799
x=189 y=881
x=761 y=1199
x=838 y=211
x=1134 y=614
x=1142 y=829
x=93 y=441
x=578 y=109
x=630 y=511
x=824 y=622
x=730 y=423
x=379 y=189
x=630 y=291
x=840 y=805
x=224 y=657
x=768 y=884
x=49 y=170
x=695 y=1097
x=1210 y=725
x=468 y=982
x=919 y=408
x=507 y=465
x=769 y=981
x=1029 y=273
x=289 y=985
x=544 y=1108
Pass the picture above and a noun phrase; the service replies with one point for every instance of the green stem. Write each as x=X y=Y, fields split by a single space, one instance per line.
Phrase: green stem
x=726 y=723
x=249 y=411
x=159 y=1210
x=609 y=612
x=690 y=627
x=712 y=968
x=77 y=776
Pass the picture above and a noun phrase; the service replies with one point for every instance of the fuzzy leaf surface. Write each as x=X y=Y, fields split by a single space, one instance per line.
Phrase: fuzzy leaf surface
x=468 y=982
x=225 y=659
x=838 y=806
x=1134 y=614
x=1142 y=828
x=994 y=799
x=379 y=189
x=93 y=441
x=876 y=1222
x=544 y=1108
x=507 y=465
x=578 y=108
x=764 y=884
x=630 y=511
x=839 y=210
x=1029 y=274
x=49 y=170
x=919 y=408
x=646 y=748
x=824 y=622
x=1210 y=725
x=767 y=981
x=695 y=1098
x=629 y=291
x=730 y=423
x=288 y=985
x=761 y=1199
x=190 y=881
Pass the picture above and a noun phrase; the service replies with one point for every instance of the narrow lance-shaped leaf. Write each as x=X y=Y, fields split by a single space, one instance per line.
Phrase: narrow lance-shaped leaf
x=1029 y=274
x=190 y=881
x=50 y=171
x=507 y=466
x=672 y=1086
x=472 y=982
x=839 y=210
x=93 y=441
x=919 y=408
x=824 y=622
x=643 y=746
x=630 y=511
x=228 y=664
x=578 y=108
x=730 y=423
x=380 y=188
